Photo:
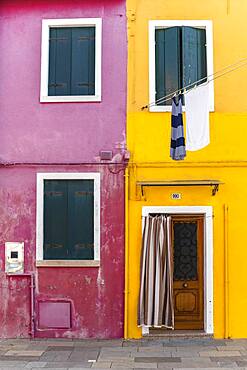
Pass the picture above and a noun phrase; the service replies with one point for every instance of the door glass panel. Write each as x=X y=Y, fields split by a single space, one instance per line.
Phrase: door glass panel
x=185 y=250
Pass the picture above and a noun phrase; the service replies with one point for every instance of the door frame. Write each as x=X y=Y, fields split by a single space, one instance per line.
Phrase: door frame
x=207 y=212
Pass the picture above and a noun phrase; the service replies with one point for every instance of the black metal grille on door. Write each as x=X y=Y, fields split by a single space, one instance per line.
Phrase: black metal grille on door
x=185 y=251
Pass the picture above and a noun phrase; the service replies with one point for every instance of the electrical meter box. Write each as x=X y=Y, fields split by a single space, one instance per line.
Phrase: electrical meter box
x=14 y=257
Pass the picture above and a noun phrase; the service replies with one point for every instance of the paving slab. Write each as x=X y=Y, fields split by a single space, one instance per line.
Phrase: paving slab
x=152 y=348
x=103 y=352
x=82 y=368
x=59 y=348
x=13 y=368
x=208 y=368
x=128 y=363
x=115 y=359
x=144 y=365
x=89 y=348
x=232 y=365
x=194 y=367
x=157 y=359
x=107 y=343
x=163 y=353
x=102 y=365
x=50 y=368
x=83 y=358
x=35 y=364
x=242 y=363
x=13 y=363
x=226 y=358
x=195 y=363
x=119 y=349
x=184 y=353
x=195 y=348
x=219 y=353
x=7 y=359
x=231 y=348
x=24 y=353
x=121 y=366
x=53 y=343
x=58 y=365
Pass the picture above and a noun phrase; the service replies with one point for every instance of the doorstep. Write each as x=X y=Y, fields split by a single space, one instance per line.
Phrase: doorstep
x=157 y=333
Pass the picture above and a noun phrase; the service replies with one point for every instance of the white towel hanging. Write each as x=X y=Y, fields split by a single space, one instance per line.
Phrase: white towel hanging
x=197 y=118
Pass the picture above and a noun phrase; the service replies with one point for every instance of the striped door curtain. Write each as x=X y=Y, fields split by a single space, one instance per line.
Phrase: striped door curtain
x=156 y=286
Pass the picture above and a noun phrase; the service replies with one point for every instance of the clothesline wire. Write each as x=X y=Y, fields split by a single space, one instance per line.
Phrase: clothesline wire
x=202 y=79
x=206 y=82
x=208 y=79
x=192 y=85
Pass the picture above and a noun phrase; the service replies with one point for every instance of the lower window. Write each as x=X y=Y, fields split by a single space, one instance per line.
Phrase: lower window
x=68 y=216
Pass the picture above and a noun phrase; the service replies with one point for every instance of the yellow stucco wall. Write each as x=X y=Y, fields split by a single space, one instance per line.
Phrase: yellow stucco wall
x=148 y=137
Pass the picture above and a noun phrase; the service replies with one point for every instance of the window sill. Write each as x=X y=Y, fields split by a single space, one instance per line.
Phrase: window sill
x=68 y=263
x=72 y=99
x=168 y=108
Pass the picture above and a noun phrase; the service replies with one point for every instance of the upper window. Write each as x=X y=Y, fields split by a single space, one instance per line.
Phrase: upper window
x=71 y=60
x=67 y=218
x=180 y=55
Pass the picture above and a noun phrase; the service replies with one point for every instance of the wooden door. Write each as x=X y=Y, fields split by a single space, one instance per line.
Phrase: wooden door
x=188 y=239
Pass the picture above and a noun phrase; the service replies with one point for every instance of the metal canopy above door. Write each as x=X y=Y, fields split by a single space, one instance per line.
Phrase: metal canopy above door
x=214 y=183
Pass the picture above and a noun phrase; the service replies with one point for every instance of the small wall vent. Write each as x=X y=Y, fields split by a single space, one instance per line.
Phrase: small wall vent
x=54 y=315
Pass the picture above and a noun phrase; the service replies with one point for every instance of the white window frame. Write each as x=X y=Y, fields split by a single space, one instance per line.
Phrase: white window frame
x=153 y=25
x=75 y=22
x=40 y=219
x=207 y=212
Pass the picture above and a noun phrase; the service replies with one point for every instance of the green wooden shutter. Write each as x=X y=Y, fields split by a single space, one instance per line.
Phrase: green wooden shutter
x=167 y=61
x=83 y=61
x=55 y=219
x=194 y=54
x=81 y=219
x=60 y=62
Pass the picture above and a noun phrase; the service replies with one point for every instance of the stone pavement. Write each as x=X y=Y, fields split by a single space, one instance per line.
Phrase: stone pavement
x=167 y=353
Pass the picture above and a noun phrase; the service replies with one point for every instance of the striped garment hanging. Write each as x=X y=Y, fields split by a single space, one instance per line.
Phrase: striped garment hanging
x=177 y=150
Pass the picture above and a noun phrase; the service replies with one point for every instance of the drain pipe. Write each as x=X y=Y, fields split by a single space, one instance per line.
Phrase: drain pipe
x=126 y=290
x=32 y=298
x=226 y=273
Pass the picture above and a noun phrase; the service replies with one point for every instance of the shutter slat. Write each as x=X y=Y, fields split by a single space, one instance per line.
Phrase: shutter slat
x=202 y=54
x=167 y=61
x=83 y=61
x=55 y=219
x=63 y=61
x=60 y=61
x=159 y=64
x=81 y=219
x=91 y=73
x=194 y=54
x=52 y=62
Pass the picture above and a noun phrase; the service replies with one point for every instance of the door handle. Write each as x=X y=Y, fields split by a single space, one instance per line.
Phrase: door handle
x=185 y=285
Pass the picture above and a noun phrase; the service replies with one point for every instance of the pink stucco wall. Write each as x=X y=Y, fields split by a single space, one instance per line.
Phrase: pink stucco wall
x=56 y=132
x=96 y=293
x=64 y=133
